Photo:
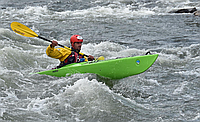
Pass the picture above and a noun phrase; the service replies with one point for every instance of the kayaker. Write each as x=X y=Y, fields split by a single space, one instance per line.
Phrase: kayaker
x=67 y=56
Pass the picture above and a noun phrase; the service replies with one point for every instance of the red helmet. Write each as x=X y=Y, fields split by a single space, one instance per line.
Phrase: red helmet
x=75 y=38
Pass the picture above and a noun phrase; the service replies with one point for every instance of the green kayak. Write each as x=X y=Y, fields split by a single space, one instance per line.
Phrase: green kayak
x=113 y=69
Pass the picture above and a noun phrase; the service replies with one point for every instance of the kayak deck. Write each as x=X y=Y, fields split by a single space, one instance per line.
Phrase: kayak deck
x=113 y=69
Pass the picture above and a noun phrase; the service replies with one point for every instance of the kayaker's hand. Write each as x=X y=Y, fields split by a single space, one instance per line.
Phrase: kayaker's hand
x=90 y=58
x=54 y=43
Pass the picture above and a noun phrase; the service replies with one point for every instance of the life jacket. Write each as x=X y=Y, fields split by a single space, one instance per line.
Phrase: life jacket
x=72 y=58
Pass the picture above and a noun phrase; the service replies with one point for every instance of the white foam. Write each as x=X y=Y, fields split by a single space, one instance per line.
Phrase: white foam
x=107 y=11
x=196 y=117
x=86 y=98
x=112 y=10
x=175 y=0
x=180 y=89
x=111 y=50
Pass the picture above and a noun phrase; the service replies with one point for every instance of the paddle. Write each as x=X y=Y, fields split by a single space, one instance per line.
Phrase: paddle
x=27 y=32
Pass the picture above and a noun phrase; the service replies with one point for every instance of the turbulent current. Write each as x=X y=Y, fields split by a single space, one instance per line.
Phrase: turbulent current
x=169 y=91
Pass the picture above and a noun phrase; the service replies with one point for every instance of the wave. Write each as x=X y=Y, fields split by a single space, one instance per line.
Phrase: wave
x=86 y=100
x=115 y=9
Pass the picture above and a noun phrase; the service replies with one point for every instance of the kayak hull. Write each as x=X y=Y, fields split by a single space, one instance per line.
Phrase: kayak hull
x=113 y=69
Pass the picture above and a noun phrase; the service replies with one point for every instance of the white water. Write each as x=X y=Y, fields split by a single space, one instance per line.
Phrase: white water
x=168 y=91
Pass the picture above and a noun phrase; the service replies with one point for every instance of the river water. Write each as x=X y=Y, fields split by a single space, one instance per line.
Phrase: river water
x=167 y=92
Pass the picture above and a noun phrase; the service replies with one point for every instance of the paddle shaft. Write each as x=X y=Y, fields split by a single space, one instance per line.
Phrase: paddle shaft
x=49 y=41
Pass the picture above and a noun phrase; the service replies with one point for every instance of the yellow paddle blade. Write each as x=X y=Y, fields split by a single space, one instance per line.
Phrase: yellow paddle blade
x=22 y=30
x=101 y=58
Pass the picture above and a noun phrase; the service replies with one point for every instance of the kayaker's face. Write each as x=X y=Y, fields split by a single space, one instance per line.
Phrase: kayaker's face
x=77 y=45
